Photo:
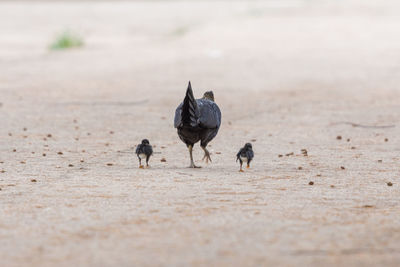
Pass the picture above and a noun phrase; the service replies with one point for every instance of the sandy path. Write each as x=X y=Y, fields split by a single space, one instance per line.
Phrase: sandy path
x=286 y=74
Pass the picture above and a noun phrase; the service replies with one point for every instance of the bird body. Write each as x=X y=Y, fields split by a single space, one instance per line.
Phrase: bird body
x=245 y=154
x=197 y=120
x=144 y=151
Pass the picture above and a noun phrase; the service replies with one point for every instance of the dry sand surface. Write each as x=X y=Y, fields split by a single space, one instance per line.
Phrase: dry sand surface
x=287 y=75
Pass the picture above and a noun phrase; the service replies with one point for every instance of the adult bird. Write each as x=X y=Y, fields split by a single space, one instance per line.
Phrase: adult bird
x=197 y=120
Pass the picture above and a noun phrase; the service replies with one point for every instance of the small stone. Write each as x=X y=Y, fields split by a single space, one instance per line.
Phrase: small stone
x=389 y=183
x=44 y=138
x=163 y=160
x=253 y=140
x=386 y=140
x=22 y=162
x=111 y=132
x=60 y=153
x=83 y=150
x=70 y=165
x=25 y=129
x=75 y=121
x=9 y=134
x=76 y=127
x=44 y=154
x=300 y=168
x=88 y=134
x=289 y=154
x=353 y=147
x=162 y=147
x=318 y=175
x=219 y=153
x=332 y=186
x=379 y=160
x=49 y=135
x=229 y=123
x=2 y=171
x=342 y=167
x=82 y=160
x=339 y=137
x=33 y=152
x=76 y=139
x=109 y=164
x=280 y=156
x=33 y=180
x=107 y=144
x=348 y=140
x=311 y=183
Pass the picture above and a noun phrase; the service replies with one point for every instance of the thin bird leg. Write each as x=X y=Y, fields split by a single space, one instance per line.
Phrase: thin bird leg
x=147 y=162
x=190 y=147
x=140 y=163
x=248 y=165
x=206 y=154
x=241 y=163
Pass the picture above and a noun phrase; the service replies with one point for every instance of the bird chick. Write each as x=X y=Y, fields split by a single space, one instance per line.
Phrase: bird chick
x=144 y=151
x=245 y=154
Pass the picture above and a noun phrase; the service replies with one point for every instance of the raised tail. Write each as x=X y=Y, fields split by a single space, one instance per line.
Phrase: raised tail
x=190 y=110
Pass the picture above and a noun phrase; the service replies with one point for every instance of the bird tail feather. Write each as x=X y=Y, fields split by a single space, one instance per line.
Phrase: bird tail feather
x=189 y=109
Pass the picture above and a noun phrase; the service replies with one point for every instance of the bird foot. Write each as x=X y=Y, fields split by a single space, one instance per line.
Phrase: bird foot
x=147 y=166
x=194 y=166
x=207 y=157
x=248 y=166
x=141 y=167
x=241 y=170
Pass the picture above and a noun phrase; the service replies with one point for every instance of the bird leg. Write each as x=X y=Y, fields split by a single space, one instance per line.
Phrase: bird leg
x=147 y=162
x=140 y=164
x=241 y=163
x=206 y=154
x=190 y=147
x=248 y=165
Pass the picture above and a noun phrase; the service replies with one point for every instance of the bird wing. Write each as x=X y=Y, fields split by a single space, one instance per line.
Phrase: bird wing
x=238 y=154
x=250 y=154
x=139 y=146
x=210 y=115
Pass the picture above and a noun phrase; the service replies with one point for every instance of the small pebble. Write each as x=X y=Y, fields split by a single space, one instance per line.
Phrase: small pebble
x=82 y=160
x=33 y=152
x=289 y=154
x=2 y=171
x=280 y=156
x=22 y=162
x=339 y=137
x=332 y=186
x=49 y=135
x=163 y=160
x=253 y=140
x=44 y=138
x=379 y=160
x=348 y=139
x=76 y=127
x=75 y=121
x=109 y=164
x=33 y=180
x=353 y=147
x=70 y=165
x=342 y=167
x=111 y=132
x=386 y=139
x=218 y=152
x=229 y=123
x=389 y=183
x=25 y=129
x=88 y=133
x=300 y=168
x=311 y=183
x=162 y=147
x=318 y=175
x=60 y=153
x=9 y=134
x=44 y=154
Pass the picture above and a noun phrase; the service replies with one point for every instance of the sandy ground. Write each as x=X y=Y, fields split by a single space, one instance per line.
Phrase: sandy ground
x=287 y=75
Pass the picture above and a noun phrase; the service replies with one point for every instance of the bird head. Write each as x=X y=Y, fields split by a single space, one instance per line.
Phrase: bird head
x=209 y=95
x=248 y=145
x=145 y=142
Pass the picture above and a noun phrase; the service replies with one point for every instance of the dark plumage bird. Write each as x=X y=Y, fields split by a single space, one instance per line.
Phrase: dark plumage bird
x=144 y=151
x=245 y=154
x=197 y=120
